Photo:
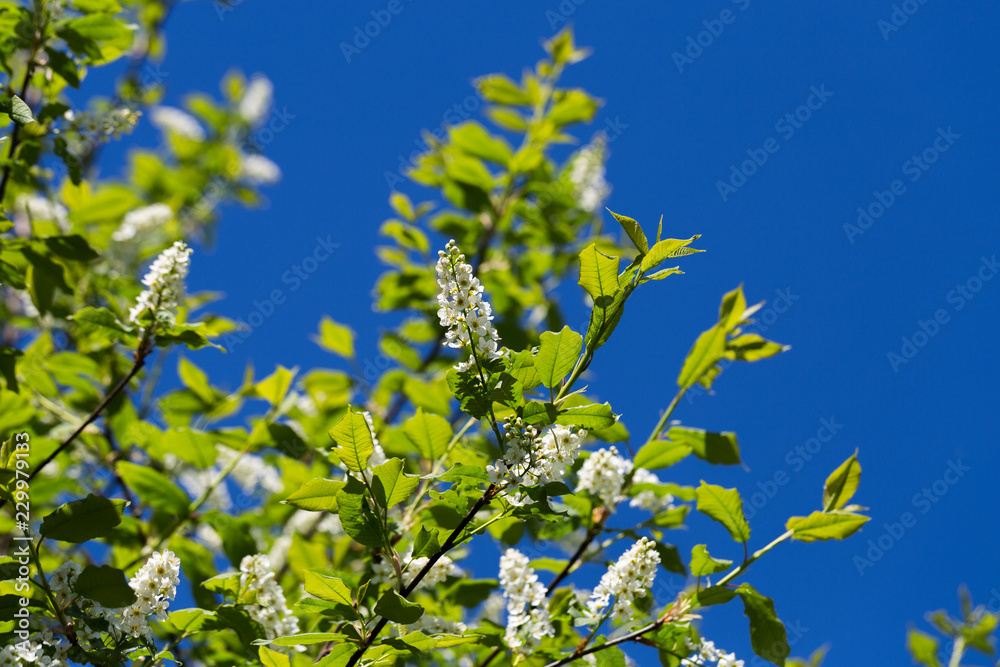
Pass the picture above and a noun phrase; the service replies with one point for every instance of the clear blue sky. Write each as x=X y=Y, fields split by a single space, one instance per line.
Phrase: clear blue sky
x=885 y=96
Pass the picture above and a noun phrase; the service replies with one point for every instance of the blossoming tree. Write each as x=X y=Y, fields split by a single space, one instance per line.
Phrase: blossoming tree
x=336 y=528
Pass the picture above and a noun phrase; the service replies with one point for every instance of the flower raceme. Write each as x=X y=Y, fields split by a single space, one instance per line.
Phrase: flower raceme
x=164 y=284
x=626 y=580
x=705 y=653
x=463 y=311
x=531 y=459
x=527 y=607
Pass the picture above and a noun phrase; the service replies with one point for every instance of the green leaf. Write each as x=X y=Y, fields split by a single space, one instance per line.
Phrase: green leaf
x=72 y=246
x=11 y=275
x=660 y=454
x=635 y=233
x=430 y=434
x=356 y=515
x=154 y=488
x=751 y=347
x=522 y=368
x=354 y=440
x=425 y=543
x=328 y=588
x=842 y=483
x=194 y=447
x=64 y=66
x=593 y=416
x=598 y=273
x=272 y=658
x=612 y=657
x=717 y=448
x=666 y=249
x=316 y=495
x=80 y=520
x=572 y=106
x=307 y=638
x=702 y=564
x=274 y=387
x=335 y=338
x=461 y=471
x=19 y=112
x=557 y=354
x=91 y=320
x=767 y=633
x=473 y=140
x=395 y=608
x=825 y=526
x=923 y=648
x=724 y=506
x=106 y=585
x=499 y=88
x=713 y=595
x=390 y=485
x=707 y=350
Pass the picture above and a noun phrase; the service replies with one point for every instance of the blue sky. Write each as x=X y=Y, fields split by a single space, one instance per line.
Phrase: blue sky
x=899 y=121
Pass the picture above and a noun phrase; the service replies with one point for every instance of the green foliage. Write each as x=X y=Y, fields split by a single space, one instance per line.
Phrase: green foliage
x=449 y=449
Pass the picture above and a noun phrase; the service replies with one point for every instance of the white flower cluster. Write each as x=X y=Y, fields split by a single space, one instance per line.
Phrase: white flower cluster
x=705 y=652
x=258 y=170
x=256 y=100
x=435 y=625
x=34 y=207
x=155 y=585
x=531 y=460
x=648 y=500
x=141 y=220
x=626 y=580
x=467 y=316
x=603 y=474
x=164 y=284
x=181 y=123
x=250 y=473
x=42 y=648
x=90 y=128
x=587 y=174
x=63 y=580
x=257 y=580
x=527 y=608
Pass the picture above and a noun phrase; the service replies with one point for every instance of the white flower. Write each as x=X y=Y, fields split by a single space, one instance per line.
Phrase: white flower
x=587 y=175
x=257 y=579
x=648 y=500
x=164 y=284
x=441 y=570
x=527 y=609
x=532 y=460
x=179 y=122
x=603 y=474
x=256 y=99
x=142 y=219
x=705 y=652
x=435 y=625
x=258 y=170
x=461 y=307
x=626 y=580
x=251 y=472
x=34 y=208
